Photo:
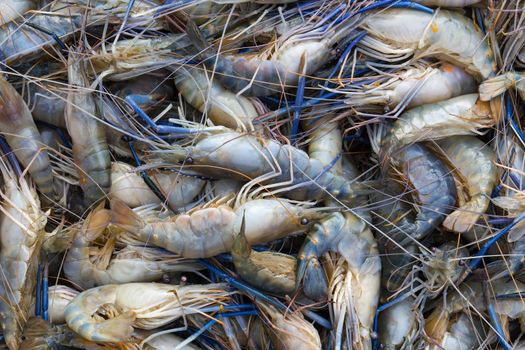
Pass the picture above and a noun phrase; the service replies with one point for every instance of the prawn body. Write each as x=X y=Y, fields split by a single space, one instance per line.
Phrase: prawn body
x=447 y=35
x=244 y=156
x=206 y=232
x=23 y=137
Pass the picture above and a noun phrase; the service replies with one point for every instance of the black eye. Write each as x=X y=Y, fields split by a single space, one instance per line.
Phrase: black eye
x=189 y=160
x=304 y=221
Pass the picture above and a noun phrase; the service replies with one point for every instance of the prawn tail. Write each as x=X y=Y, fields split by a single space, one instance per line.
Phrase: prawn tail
x=117 y=329
x=315 y=284
x=495 y=86
x=461 y=220
x=195 y=35
x=124 y=217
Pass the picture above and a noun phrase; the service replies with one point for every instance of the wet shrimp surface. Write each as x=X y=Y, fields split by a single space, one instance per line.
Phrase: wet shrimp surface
x=262 y=174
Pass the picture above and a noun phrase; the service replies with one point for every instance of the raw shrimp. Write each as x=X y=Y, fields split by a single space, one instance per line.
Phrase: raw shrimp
x=90 y=149
x=358 y=270
x=246 y=157
x=398 y=326
x=475 y=163
x=211 y=230
x=463 y=115
x=21 y=236
x=280 y=67
x=88 y=266
x=23 y=137
x=429 y=85
x=289 y=331
x=493 y=87
x=270 y=271
x=445 y=35
x=127 y=186
x=221 y=106
x=137 y=305
x=434 y=189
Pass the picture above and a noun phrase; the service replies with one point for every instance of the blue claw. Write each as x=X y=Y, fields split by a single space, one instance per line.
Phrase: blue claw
x=297 y=108
x=397 y=4
x=45 y=293
x=474 y=263
x=48 y=32
x=509 y=113
x=38 y=302
x=134 y=100
x=494 y=318
x=349 y=48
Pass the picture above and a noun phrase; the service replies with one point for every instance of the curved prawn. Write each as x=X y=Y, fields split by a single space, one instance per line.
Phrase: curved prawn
x=475 y=162
x=434 y=188
x=222 y=107
x=463 y=115
x=90 y=149
x=360 y=267
x=140 y=305
x=128 y=265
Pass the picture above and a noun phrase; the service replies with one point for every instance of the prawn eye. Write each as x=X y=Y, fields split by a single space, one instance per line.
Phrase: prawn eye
x=304 y=221
x=189 y=160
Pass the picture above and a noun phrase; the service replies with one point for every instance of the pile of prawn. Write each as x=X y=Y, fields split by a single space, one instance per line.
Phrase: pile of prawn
x=262 y=174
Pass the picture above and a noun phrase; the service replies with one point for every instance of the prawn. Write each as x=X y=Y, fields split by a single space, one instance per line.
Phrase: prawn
x=445 y=35
x=221 y=106
x=12 y=9
x=211 y=229
x=398 y=326
x=434 y=189
x=137 y=305
x=23 y=137
x=240 y=156
x=463 y=115
x=358 y=269
x=290 y=331
x=426 y=84
x=90 y=149
x=293 y=55
x=87 y=266
x=475 y=162
x=129 y=187
x=22 y=233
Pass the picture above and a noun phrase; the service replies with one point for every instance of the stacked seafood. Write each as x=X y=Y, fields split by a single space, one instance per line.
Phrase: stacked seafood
x=265 y=174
